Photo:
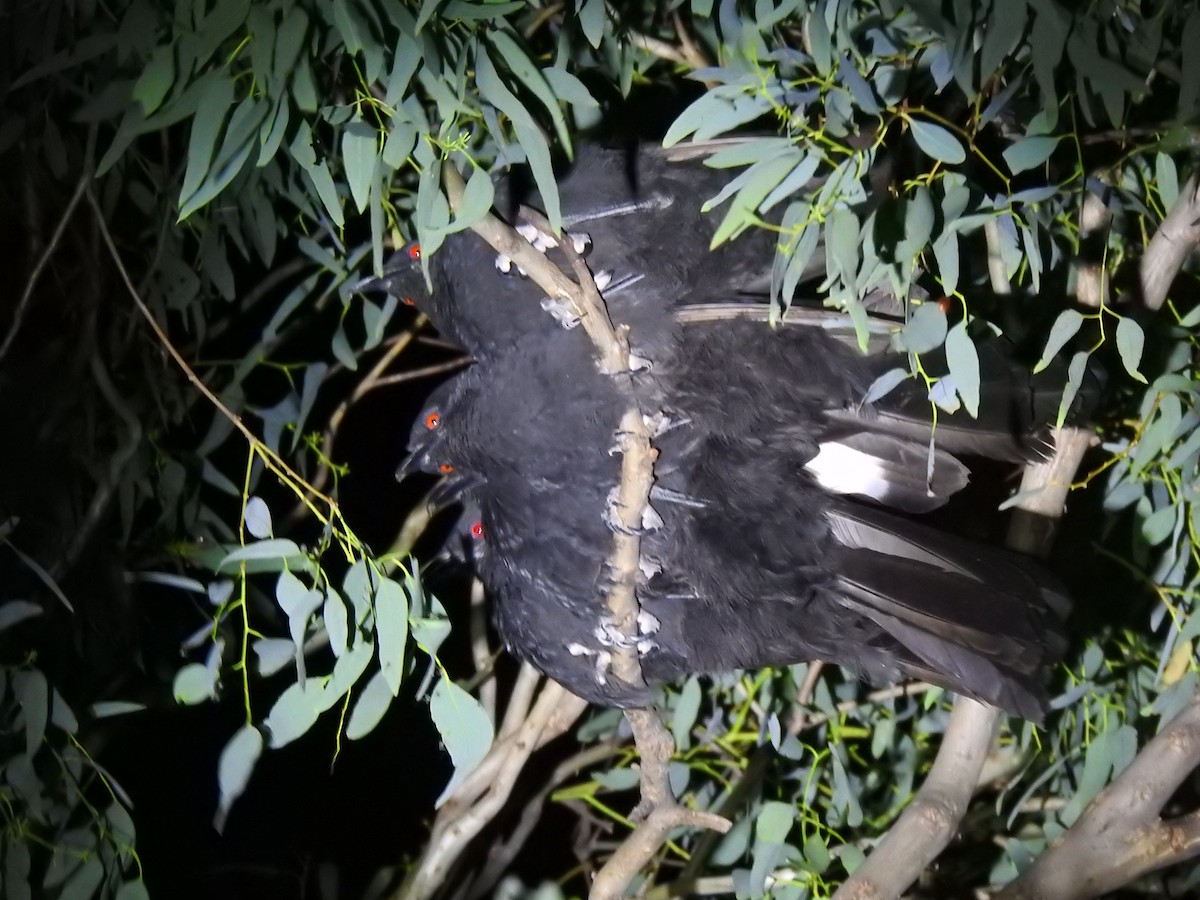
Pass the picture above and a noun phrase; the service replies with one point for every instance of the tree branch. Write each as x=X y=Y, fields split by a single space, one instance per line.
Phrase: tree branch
x=482 y=795
x=931 y=820
x=1176 y=237
x=1121 y=835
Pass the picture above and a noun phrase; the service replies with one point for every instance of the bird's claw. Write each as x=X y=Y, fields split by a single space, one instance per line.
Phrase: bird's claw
x=603 y=660
x=651 y=520
x=563 y=312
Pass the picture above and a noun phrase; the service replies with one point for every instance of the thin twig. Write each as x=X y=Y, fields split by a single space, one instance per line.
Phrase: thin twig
x=81 y=187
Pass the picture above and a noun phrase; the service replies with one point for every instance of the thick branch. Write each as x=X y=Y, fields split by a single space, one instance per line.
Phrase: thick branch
x=930 y=821
x=1120 y=835
x=465 y=814
x=1175 y=238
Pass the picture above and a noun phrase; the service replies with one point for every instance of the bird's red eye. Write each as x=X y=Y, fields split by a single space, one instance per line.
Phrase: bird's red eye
x=432 y=421
x=946 y=304
x=477 y=530
x=445 y=468
x=414 y=251
x=408 y=301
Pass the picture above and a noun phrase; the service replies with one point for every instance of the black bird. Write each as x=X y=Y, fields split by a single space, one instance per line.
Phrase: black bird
x=637 y=218
x=754 y=558
x=755 y=563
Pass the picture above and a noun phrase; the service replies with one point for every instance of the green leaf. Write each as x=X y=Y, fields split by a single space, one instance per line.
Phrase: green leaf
x=368 y=710
x=428 y=8
x=272 y=133
x=1029 y=152
x=132 y=890
x=1159 y=525
x=358 y=159
x=1130 y=343
x=322 y=181
x=466 y=730
x=820 y=41
x=304 y=89
x=347 y=670
x=946 y=252
x=272 y=654
x=521 y=66
x=687 y=707
x=84 y=881
x=763 y=178
x=215 y=98
x=1065 y=327
x=399 y=144
x=477 y=199
x=339 y=345
x=842 y=244
x=591 y=19
x=569 y=88
x=1006 y=24
x=1166 y=179
x=194 y=683
x=289 y=41
x=359 y=587
x=258 y=518
x=156 y=80
x=405 y=60
x=33 y=695
x=295 y=712
x=15 y=611
x=347 y=26
x=298 y=603
x=925 y=330
x=280 y=549
x=885 y=384
x=937 y=142
x=234 y=768
x=218 y=25
x=532 y=141
x=963 y=360
x=235 y=150
x=391 y=626
x=1075 y=372
x=314 y=377
x=774 y=821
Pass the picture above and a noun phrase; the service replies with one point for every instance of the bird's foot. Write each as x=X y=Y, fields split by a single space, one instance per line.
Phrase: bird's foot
x=639 y=363
x=563 y=311
x=542 y=241
x=647 y=622
x=603 y=660
x=652 y=422
x=649 y=567
x=607 y=634
x=651 y=520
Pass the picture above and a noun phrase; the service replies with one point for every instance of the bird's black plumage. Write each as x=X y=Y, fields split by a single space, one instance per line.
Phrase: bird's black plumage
x=756 y=556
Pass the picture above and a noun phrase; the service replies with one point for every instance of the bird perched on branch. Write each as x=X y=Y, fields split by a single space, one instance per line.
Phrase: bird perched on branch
x=753 y=552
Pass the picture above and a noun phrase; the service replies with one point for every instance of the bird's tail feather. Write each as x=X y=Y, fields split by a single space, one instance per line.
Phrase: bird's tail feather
x=975 y=620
